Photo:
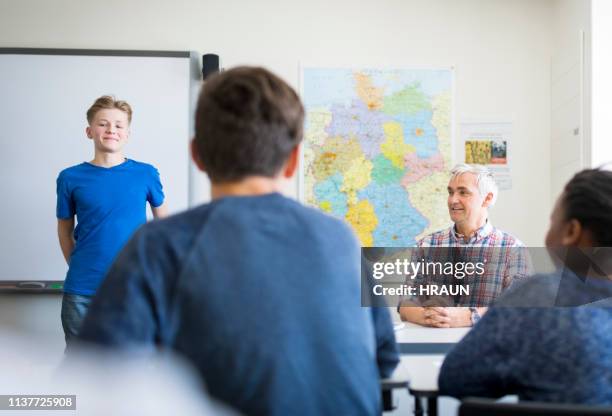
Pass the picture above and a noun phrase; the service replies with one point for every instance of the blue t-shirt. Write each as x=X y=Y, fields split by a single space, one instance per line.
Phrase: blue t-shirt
x=263 y=296
x=110 y=204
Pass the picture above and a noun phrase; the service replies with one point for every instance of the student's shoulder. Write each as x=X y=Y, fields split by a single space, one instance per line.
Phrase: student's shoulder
x=318 y=219
x=187 y=222
x=534 y=291
x=71 y=172
x=141 y=166
x=172 y=235
x=312 y=226
x=528 y=306
x=523 y=307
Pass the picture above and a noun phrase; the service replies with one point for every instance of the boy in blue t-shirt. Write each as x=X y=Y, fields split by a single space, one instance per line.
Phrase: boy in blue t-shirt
x=108 y=196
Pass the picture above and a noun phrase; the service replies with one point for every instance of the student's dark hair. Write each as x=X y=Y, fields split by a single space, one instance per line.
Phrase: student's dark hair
x=587 y=198
x=247 y=122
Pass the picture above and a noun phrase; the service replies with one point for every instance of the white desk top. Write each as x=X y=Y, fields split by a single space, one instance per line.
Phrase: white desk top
x=414 y=334
x=422 y=370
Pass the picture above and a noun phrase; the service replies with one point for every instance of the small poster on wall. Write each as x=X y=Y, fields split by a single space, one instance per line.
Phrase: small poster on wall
x=488 y=144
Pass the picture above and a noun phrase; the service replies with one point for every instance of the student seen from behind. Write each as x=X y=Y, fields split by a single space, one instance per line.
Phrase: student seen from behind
x=259 y=292
x=107 y=196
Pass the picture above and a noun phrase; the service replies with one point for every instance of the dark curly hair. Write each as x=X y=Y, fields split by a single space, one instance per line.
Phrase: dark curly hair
x=587 y=198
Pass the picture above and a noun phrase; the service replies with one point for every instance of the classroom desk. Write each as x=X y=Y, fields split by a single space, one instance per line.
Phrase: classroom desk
x=422 y=351
x=417 y=339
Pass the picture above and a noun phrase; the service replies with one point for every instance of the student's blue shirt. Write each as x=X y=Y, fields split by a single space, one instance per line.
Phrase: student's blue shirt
x=109 y=204
x=263 y=296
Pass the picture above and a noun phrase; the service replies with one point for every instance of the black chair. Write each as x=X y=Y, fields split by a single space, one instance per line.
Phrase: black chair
x=484 y=407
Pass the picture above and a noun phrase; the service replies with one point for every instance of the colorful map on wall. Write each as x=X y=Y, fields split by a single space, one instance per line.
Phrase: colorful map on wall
x=377 y=150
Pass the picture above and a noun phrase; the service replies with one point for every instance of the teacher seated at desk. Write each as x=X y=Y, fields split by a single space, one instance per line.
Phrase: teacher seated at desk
x=471 y=191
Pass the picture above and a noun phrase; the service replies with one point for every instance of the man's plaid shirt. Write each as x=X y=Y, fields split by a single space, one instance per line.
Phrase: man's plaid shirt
x=506 y=259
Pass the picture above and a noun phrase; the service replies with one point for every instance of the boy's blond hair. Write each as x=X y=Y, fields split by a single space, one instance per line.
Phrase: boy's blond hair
x=107 y=102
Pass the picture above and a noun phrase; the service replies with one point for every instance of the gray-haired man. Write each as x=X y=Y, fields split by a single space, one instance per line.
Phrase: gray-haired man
x=471 y=191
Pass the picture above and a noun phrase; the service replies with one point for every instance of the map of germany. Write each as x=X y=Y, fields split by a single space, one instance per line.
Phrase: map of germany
x=377 y=150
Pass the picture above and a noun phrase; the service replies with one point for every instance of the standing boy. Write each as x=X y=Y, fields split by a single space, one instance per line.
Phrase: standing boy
x=260 y=293
x=108 y=196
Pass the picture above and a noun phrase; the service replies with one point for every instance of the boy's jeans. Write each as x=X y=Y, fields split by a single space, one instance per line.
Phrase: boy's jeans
x=74 y=309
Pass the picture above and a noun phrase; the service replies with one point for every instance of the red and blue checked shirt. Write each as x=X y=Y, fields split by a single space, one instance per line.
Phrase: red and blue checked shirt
x=505 y=258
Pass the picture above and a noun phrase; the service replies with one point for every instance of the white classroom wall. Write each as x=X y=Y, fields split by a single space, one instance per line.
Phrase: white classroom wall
x=601 y=141
x=500 y=49
x=570 y=91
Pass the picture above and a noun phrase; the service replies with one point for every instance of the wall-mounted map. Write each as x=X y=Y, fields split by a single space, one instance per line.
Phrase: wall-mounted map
x=377 y=149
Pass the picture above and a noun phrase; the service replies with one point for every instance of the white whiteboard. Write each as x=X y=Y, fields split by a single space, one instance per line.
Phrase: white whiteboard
x=42 y=118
